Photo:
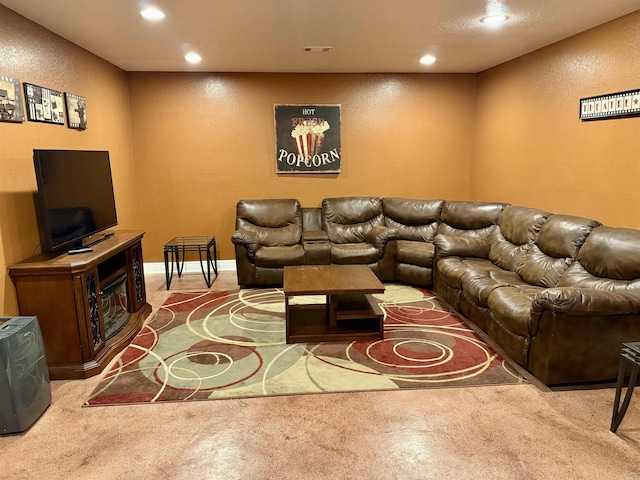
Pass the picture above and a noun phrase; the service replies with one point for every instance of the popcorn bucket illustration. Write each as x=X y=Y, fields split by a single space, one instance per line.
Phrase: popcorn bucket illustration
x=309 y=138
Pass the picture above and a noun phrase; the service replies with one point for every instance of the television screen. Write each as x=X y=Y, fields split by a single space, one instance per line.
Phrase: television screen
x=75 y=196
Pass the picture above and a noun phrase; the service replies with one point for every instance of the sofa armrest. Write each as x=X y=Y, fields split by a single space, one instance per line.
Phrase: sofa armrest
x=449 y=245
x=247 y=239
x=576 y=334
x=315 y=236
x=380 y=235
x=584 y=301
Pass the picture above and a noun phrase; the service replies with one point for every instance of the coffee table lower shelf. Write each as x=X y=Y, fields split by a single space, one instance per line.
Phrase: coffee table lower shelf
x=357 y=318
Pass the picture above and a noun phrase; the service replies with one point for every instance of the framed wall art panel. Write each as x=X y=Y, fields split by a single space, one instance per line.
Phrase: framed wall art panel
x=76 y=111
x=43 y=104
x=308 y=138
x=10 y=100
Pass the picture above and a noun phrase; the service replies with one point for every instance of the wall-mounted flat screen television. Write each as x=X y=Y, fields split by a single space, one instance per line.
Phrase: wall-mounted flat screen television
x=75 y=196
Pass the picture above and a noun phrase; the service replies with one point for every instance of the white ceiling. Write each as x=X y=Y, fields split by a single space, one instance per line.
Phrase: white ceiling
x=270 y=35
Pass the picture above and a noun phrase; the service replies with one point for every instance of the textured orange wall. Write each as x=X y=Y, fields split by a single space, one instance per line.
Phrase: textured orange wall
x=532 y=149
x=204 y=141
x=34 y=55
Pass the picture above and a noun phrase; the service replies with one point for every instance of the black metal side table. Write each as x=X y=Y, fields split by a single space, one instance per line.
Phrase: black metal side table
x=630 y=354
x=179 y=246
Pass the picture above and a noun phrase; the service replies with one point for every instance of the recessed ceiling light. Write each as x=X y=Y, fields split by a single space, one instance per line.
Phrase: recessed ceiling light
x=428 y=60
x=494 y=19
x=152 y=13
x=192 y=57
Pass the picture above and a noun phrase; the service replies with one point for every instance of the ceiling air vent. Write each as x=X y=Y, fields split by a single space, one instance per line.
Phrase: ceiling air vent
x=318 y=49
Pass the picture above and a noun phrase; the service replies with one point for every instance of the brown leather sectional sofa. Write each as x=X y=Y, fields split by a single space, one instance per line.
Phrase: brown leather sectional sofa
x=558 y=293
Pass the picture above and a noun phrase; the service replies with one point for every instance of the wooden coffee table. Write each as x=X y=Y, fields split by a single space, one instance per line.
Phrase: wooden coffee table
x=349 y=313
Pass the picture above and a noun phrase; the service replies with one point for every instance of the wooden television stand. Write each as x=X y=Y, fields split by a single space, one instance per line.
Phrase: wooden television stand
x=65 y=292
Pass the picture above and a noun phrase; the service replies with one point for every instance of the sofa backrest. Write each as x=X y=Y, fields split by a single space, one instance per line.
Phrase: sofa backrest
x=311 y=219
x=554 y=249
x=517 y=228
x=609 y=260
x=274 y=221
x=416 y=220
x=348 y=219
x=469 y=219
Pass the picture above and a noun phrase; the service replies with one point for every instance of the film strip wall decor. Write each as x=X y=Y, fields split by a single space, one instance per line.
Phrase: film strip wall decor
x=612 y=105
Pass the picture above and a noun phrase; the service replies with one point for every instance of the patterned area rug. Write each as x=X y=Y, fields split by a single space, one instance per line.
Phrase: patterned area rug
x=230 y=345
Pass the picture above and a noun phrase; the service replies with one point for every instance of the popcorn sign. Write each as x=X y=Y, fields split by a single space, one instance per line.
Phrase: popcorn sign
x=307 y=138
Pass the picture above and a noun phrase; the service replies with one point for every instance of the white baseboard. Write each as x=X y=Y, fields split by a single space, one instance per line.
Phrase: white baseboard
x=189 y=267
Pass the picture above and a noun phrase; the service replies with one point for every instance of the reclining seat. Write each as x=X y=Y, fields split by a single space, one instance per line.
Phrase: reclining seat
x=267 y=238
x=554 y=250
x=508 y=243
x=356 y=231
x=462 y=242
x=417 y=224
x=577 y=327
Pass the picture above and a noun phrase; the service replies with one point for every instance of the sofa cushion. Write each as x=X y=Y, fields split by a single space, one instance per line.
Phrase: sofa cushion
x=468 y=221
x=540 y=269
x=414 y=219
x=279 y=256
x=512 y=307
x=612 y=253
x=608 y=260
x=311 y=219
x=451 y=269
x=414 y=253
x=273 y=221
x=459 y=215
x=517 y=228
x=481 y=233
x=413 y=274
x=477 y=284
x=349 y=219
x=554 y=249
x=354 y=253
